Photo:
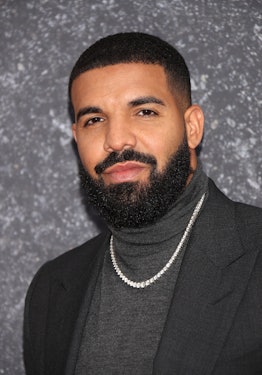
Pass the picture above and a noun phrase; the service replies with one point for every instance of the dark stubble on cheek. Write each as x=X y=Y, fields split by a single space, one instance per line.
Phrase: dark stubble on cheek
x=135 y=204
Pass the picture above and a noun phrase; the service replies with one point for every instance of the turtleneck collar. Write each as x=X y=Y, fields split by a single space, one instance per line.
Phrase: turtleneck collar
x=168 y=226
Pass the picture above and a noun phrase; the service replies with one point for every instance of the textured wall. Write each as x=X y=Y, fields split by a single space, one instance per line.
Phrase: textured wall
x=42 y=214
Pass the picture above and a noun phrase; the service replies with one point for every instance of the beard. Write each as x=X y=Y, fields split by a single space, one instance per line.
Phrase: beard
x=137 y=204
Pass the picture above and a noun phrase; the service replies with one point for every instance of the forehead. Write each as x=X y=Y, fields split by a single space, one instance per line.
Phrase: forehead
x=118 y=79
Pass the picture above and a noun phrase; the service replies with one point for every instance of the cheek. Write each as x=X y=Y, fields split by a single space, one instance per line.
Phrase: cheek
x=89 y=155
x=165 y=146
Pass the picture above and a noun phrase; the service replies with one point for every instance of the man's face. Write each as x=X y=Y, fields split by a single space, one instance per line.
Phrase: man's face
x=128 y=129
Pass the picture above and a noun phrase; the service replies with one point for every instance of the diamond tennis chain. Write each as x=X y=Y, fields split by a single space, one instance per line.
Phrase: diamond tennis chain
x=144 y=284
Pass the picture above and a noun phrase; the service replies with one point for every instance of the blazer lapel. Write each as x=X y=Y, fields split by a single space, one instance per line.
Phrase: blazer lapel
x=211 y=283
x=83 y=311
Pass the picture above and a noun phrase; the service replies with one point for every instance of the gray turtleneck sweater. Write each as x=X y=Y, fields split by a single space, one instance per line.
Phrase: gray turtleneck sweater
x=124 y=325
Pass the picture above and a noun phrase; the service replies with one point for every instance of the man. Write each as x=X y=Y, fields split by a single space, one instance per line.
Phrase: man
x=174 y=285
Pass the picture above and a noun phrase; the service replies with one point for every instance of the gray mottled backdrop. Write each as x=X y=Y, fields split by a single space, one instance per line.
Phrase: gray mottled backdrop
x=42 y=214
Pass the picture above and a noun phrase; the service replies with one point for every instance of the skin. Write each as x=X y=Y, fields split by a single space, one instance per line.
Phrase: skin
x=126 y=106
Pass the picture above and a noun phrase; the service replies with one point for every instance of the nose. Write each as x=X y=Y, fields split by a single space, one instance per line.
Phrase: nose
x=119 y=136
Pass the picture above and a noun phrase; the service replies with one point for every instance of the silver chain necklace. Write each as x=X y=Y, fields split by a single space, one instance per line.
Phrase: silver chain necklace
x=144 y=284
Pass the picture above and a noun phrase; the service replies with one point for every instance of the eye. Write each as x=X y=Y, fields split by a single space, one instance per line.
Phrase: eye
x=147 y=113
x=93 y=121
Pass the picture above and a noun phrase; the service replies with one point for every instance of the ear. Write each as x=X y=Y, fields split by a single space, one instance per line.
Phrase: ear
x=194 y=120
x=74 y=132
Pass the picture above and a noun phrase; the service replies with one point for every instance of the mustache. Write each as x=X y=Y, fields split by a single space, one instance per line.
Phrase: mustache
x=126 y=155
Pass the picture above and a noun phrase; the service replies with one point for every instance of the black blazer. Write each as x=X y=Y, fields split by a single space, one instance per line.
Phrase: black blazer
x=214 y=324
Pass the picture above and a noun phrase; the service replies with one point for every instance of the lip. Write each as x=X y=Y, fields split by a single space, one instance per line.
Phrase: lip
x=124 y=172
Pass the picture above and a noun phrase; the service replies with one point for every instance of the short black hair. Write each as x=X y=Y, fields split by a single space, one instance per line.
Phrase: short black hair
x=136 y=47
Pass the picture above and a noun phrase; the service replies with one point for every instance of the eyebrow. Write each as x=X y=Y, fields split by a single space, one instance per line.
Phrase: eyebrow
x=145 y=100
x=86 y=110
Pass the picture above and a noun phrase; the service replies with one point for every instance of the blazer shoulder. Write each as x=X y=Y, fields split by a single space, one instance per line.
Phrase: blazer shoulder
x=249 y=214
x=80 y=254
x=245 y=212
x=249 y=225
x=246 y=219
x=70 y=265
